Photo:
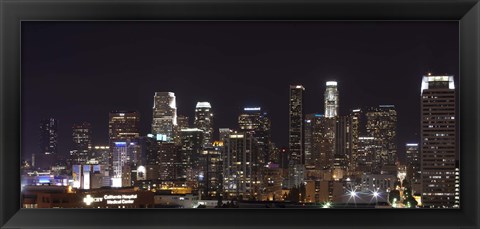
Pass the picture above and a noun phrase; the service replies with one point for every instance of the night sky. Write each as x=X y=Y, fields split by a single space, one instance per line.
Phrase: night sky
x=80 y=71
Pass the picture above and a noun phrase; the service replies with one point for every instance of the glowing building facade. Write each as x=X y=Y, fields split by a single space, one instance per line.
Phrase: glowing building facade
x=412 y=154
x=296 y=128
x=189 y=166
x=331 y=99
x=296 y=135
x=254 y=120
x=438 y=141
x=123 y=143
x=382 y=125
x=204 y=121
x=239 y=167
x=164 y=115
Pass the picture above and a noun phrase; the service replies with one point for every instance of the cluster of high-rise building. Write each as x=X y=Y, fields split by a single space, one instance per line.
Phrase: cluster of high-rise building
x=331 y=156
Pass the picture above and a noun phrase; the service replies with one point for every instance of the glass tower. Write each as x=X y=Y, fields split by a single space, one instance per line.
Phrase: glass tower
x=164 y=115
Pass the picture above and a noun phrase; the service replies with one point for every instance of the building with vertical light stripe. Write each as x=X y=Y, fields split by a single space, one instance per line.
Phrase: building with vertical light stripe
x=164 y=115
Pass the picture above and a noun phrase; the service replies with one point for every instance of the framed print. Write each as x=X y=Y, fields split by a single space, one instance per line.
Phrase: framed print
x=346 y=114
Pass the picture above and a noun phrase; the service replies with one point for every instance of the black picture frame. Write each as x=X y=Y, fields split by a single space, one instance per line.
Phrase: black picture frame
x=12 y=12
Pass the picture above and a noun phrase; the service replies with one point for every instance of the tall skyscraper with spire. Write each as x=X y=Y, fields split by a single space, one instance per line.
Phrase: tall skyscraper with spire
x=331 y=127
x=204 y=121
x=438 y=141
x=164 y=116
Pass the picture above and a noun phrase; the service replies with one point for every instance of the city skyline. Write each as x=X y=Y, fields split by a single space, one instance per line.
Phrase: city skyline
x=324 y=113
x=312 y=70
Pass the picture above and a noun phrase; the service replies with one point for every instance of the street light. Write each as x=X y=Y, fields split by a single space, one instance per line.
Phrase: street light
x=353 y=194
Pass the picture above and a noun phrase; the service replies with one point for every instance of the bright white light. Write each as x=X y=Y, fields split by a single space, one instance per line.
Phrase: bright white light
x=366 y=138
x=386 y=106
x=331 y=83
x=376 y=194
x=141 y=169
x=203 y=105
x=191 y=130
x=353 y=194
x=116 y=182
x=430 y=78
x=88 y=200
x=252 y=108
x=412 y=144
x=327 y=205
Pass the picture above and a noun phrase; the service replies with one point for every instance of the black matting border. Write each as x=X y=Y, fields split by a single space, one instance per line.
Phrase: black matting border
x=12 y=12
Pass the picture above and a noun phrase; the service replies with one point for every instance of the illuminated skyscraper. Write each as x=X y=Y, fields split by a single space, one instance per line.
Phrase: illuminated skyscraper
x=164 y=115
x=48 y=143
x=308 y=145
x=296 y=128
x=382 y=125
x=343 y=143
x=296 y=139
x=82 y=142
x=412 y=154
x=321 y=142
x=123 y=141
x=355 y=132
x=240 y=171
x=331 y=99
x=254 y=120
x=123 y=125
x=366 y=154
x=169 y=161
x=438 y=141
x=210 y=176
x=204 y=121
x=160 y=158
x=124 y=158
x=189 y=166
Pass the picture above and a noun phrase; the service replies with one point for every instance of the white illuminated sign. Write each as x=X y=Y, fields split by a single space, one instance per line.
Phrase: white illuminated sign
x=331 y=83
x=89 y=199
x=111 y=199
x=120 y=199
